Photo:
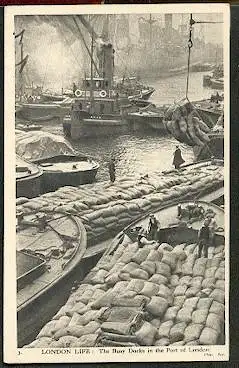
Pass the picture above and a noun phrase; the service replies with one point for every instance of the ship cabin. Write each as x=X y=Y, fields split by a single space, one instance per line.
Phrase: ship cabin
x=98 y=107
x=97 y=84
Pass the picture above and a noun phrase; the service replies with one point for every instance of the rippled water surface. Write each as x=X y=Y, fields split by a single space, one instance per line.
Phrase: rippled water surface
x=145 y=153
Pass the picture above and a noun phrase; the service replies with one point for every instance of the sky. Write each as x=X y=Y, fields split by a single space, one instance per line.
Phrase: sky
x=56 y=52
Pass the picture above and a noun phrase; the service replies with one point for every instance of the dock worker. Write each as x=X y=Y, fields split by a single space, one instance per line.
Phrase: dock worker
x=210 y=215
x=142 y=239
x=153 y=228
x=177 y=159
x=204 y=237
x=111 y=167
x=74 y=88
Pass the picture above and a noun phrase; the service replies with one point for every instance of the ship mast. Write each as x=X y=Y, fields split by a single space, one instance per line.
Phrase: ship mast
x=91 y=74
x=21 y=63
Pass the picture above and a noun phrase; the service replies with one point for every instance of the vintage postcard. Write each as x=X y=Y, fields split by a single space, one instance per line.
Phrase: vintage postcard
x=117 y=183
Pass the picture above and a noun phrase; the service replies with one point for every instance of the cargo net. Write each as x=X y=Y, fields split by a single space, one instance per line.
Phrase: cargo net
x=157 y=295
x=186 y=123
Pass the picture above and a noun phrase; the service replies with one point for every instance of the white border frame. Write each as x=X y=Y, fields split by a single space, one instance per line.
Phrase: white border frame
x=159 y=354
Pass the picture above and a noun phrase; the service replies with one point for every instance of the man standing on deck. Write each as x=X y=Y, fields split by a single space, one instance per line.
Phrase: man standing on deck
x=204 y=238
x=153 y=228
x=177 y=159
x=111 y=167
x=74 y=88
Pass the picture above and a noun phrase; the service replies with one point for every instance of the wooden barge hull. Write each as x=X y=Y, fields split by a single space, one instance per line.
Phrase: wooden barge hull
x=50 y=286
x=29 y=187
x=138 y=122
x=88 y=128
x=41 y=112
x=213 y=148
x=52 y=180
x=29 y=183
x=28 y=326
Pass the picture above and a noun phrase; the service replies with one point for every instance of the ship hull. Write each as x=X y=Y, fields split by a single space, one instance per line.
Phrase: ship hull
x=54 y=179
x=47 y=304
x=214 y=148
x=28 y=184
x=146 y=122
x=41 y=112
x=88 y=128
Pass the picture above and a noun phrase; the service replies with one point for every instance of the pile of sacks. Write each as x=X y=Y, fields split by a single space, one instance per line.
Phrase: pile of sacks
x=106 y=209
x=154 y=296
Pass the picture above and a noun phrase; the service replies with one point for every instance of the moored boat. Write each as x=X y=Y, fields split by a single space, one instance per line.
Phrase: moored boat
x=146 y=120
x=101 y=120
x=28 y=178
x=214 y=80
x=49 y=252
x=152 y=292
x=43 y=112
x=28 y=127
x=213 y=148
x=58 y=161
x=62 y=170
x=217 y=83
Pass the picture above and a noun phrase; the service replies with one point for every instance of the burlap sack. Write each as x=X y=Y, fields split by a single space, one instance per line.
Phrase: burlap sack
x=146 y=334
x=193 y=332
x=157 y=306
x=208 y=336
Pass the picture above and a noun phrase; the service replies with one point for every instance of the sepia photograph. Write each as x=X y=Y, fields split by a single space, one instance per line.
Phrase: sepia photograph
x=118 y=243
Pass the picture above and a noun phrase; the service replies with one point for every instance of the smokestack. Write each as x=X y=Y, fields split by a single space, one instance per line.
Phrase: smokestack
x=168 y=18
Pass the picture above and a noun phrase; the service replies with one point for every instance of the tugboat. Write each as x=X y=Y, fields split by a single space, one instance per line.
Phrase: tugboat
x=49 y=258
x=59 y=163
x=99 y=105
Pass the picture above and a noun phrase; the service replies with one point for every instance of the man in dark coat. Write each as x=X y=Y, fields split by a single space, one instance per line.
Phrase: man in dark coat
x=112 y=170
x=204 y=236
x=177 y=159
x=153 y=228
x=74 y=88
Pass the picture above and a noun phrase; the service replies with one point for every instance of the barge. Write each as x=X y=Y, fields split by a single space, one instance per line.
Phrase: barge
x=59 y=163
x=28 y=178
x=161 y=293
x=49 y=253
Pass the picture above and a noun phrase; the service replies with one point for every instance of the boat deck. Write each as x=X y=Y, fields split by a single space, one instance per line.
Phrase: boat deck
x=168 y=217
x=72 y=166
x=49 y=246
x=25 y=169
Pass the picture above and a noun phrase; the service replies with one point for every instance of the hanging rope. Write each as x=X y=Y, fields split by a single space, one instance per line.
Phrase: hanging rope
x=190 y=45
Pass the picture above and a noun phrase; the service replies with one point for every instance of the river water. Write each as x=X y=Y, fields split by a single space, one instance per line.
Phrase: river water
x=145 y=153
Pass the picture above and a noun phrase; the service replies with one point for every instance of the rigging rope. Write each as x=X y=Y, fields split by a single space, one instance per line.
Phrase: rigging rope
x=47 y=65
x=190 y=45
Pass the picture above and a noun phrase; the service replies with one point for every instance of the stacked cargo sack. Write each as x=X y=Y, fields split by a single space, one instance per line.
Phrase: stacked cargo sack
x=154 y=296
x=106 y=209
